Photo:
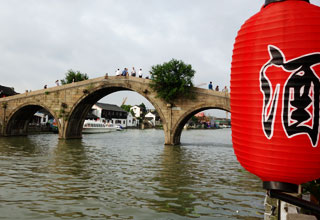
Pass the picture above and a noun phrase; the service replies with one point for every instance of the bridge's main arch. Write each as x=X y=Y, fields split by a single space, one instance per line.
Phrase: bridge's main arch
x=73 y=126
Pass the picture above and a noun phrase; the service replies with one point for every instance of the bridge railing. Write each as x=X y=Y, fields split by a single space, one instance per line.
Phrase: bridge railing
x=98 y=80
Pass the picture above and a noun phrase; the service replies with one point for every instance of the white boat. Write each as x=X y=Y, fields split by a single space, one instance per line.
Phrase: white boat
x=119 y=128
x=91 y=126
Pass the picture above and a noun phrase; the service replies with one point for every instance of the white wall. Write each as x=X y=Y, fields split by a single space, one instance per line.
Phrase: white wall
x=136 y=110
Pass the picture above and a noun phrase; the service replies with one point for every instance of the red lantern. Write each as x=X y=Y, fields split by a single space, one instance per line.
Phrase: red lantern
x=275 y=83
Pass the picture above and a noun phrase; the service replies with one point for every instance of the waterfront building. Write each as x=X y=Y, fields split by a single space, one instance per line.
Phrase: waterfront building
x=6 y=91
x=201 y=120
x=40 y=121
x=91 y=116
x=137 y=111
x=40 y=118
x=112 y=114
x=204 y=120
x=132 y=121
x=222 y=122
x=151 y=118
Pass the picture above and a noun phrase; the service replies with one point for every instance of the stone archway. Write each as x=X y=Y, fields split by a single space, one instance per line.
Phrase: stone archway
x=73 y=125
x=19 y=119
x=177 y=129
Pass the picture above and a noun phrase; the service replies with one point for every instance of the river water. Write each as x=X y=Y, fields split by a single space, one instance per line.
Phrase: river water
x=126 y=175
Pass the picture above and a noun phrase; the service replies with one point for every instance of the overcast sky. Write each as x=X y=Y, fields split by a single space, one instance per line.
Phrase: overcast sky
x=41 y=39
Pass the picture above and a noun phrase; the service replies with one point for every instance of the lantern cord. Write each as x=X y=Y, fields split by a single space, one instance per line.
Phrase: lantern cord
x=294 y=201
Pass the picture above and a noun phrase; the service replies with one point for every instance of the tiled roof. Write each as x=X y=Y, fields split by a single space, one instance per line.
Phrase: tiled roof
x=110 y=107
x=7 y=91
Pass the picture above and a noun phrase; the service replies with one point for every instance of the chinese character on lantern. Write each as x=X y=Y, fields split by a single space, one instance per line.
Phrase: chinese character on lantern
x=300 y=95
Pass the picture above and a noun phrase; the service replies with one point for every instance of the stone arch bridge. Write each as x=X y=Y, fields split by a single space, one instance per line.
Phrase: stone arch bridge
x=69 y=104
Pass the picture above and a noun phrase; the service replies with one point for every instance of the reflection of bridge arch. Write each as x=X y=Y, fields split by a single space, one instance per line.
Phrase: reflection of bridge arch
x=18 y=120
x=69 y=105
x=184 y=118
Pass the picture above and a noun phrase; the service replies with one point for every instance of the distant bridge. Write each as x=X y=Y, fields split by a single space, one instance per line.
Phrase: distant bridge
x=69 y=104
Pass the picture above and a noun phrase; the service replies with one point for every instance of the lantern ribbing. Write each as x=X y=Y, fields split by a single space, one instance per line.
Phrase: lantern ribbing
x=275 y=94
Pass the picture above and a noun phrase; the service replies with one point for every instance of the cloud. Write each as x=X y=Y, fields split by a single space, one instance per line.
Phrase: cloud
x=41 y=40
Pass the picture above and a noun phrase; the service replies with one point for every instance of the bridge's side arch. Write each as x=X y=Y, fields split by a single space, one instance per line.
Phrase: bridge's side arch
x=184 y=118
x=19 y=118
x=76 y=118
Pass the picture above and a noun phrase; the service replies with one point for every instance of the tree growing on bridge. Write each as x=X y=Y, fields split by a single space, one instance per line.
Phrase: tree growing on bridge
x=172 y=80
x=74 y=76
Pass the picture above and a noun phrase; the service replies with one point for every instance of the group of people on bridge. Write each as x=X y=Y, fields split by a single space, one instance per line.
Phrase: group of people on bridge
x=210 y=86
x=133 y=72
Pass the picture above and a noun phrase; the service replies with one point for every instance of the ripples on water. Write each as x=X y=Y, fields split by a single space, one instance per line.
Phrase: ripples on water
x=126 y=175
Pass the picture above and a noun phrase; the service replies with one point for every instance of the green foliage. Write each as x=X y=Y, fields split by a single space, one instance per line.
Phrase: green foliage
x=194 y=119
x=64 y=105
x=132 y=113
x=4 y=105
x=74 y=76
x=126 y=107
x=143 y=108
x=172 y=80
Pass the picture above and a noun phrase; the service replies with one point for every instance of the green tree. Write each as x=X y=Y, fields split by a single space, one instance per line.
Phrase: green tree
x=194 y=119
x=74 y=76
x=143 y=108
x=172 y=80
x=126 y=107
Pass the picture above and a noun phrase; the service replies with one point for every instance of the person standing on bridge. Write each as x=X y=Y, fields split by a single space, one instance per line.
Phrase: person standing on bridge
x=140 y=73
x=225 y=89
x=217 y=88
x=133 y=72
x=210 y=86
x=118 y=72
x=124 y=72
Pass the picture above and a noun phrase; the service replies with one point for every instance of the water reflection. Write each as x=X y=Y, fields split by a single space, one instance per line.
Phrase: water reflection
x=205 y=181
x=21 y=146
x=68 y=173
x=175 y=181
x=69 y=158
x=125 y=175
